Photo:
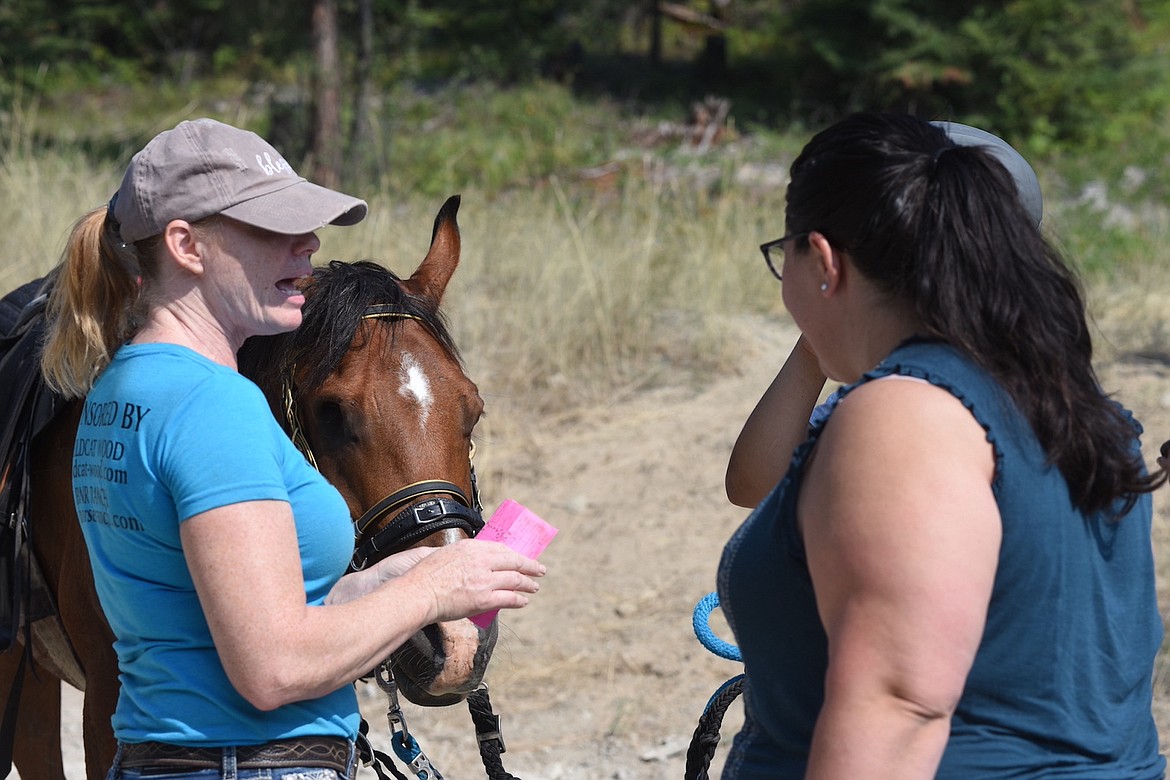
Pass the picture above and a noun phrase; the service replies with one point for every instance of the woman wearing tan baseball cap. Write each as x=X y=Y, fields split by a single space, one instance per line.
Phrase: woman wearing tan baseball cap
x=244 y=669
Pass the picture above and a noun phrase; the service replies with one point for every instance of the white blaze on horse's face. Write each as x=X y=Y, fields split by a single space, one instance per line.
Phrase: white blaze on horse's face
x=415 y=385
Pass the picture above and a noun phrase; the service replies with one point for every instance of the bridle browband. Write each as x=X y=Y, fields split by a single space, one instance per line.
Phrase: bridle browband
x=422 y=508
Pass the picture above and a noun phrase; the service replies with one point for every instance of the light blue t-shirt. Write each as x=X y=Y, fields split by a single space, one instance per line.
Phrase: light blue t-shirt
x=165 y=435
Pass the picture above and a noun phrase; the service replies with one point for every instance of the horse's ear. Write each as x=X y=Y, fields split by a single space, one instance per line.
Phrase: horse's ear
x=431 y=277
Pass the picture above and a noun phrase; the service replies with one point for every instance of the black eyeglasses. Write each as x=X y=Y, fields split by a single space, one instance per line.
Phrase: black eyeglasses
x=778 y=247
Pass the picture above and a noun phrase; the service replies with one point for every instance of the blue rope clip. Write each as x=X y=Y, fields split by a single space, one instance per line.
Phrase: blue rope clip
x=407 y=749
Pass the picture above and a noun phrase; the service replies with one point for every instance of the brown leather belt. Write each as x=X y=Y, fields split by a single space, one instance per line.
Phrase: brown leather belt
x=323 y=752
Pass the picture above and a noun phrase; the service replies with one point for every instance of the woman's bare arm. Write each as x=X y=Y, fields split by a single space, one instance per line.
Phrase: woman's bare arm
x=902 y=533
x=775 y=427
x=276 y=649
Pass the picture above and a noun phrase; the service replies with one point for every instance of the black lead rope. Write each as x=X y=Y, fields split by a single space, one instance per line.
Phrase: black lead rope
x=706 y=736
x=487 y=732
x=381 y=762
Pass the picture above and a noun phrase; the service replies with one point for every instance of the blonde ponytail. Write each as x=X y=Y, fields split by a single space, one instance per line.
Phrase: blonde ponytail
x=90 y=308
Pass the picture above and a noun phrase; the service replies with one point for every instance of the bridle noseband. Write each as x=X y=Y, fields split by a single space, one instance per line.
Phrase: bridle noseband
x=428 y=508
x=422 y=508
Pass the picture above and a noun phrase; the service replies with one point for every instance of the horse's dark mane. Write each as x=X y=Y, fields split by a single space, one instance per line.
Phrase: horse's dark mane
x=335 y=301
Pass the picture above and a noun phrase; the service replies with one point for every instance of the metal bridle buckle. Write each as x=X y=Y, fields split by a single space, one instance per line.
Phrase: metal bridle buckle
x=497 y=736
x=428 y=511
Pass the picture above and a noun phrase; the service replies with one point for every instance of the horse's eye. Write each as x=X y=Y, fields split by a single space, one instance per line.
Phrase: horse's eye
x=330 y=417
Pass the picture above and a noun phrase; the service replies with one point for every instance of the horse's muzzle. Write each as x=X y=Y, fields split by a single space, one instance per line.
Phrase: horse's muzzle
x=443 y=663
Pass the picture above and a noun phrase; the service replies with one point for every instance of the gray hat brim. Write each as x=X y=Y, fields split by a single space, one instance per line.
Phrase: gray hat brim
x=301 y=207
x=1027 y=184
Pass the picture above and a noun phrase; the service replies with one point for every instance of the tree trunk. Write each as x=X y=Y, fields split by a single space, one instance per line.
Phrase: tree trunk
x=713 y=63
x=361 y=138
x=326 y=156
x=655 y=33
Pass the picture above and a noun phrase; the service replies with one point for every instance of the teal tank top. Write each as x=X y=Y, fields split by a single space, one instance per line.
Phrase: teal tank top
x=1061 y=686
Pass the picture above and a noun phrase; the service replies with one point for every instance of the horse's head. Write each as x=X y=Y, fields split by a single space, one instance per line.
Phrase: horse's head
x=372 y=389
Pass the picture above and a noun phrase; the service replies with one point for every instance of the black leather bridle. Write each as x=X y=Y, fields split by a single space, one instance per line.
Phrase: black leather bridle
x=428 y=507
x=418 y=510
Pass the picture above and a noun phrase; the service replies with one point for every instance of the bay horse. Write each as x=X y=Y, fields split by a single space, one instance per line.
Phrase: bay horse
x=372 y=389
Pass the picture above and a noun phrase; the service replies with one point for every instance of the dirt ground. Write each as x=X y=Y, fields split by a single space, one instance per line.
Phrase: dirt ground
x=602 y=677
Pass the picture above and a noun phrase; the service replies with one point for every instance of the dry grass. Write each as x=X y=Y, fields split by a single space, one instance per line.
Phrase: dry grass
x=571 y=292
x=564 y=292
x=40 y=198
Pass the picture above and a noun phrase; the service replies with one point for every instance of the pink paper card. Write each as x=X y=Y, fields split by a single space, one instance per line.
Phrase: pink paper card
x=521 y=529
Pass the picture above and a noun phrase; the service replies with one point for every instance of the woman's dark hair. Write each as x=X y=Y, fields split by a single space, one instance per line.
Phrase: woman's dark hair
x=940 y=228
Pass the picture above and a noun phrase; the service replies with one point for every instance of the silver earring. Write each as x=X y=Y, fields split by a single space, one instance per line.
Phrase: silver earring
x=824 y=286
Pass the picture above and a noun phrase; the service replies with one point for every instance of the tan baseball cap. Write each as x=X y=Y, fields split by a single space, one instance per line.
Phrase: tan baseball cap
x=203 y=167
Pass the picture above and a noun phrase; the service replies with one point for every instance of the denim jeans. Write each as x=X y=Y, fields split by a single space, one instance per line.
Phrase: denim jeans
x=229 y=771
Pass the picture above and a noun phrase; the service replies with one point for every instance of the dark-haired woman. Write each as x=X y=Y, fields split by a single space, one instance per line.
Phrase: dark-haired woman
x=954 y=578
x=780 y=419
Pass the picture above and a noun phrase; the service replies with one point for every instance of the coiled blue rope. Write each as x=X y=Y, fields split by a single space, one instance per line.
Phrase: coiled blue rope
x=706 y=736
x=700 y=620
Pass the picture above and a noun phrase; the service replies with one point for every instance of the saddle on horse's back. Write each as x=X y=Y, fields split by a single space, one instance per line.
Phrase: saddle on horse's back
x=26 y=406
